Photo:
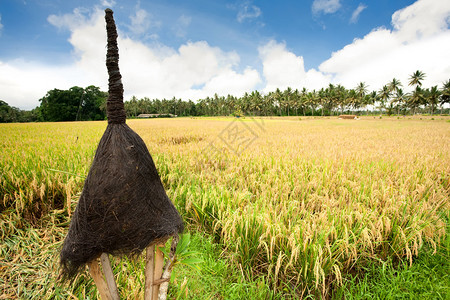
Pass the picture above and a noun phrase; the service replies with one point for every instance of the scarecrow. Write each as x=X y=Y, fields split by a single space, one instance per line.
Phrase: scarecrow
x=123 y=208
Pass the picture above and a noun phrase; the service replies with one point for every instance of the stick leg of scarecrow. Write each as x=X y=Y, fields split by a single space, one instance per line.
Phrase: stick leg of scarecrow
x=97 y=275
x=109 y=275
x=168 y=270
x=149 y=272
x=158 y=271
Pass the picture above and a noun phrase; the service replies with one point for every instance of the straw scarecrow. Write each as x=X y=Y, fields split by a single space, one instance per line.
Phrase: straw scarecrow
x=123 y=208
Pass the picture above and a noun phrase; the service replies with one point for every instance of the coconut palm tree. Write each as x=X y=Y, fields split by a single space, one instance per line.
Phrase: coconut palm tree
x=394 y=85
x=312 y=100
x=416 y=98
x=399 y=99
x=277 y=97
x=287 y=99
x=304 y=100
x=416 y=78
x=445 y=94
x=384 y=94
x=361 y=91
x=432 y=98
x=295 y=101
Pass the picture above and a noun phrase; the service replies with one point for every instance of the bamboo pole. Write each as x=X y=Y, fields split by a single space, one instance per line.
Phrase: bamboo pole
x=158 y=271
x=109 y=275
x=96 y=274
x=149 y=272
x=168 y=270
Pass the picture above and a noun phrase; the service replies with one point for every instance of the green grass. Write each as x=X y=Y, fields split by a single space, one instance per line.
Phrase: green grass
x=29 y=268
x=30 y=254
x=428 y=277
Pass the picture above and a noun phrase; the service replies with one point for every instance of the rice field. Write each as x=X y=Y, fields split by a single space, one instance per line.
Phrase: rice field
x=297 y=203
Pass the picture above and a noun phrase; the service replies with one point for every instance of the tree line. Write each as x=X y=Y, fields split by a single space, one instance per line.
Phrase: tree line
x=79 y=104
x=74 y=104
x=332 y=100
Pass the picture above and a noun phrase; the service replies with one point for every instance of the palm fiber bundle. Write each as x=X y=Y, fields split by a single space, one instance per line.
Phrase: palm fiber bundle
x=123 y=207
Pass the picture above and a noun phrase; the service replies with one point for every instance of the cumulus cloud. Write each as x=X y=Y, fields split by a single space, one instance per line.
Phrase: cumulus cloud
x=24 y=82
x=325 y=6
x=357 y=12
x=282 y=69
x=154 y=71
x=248 y=11
x=420 y=39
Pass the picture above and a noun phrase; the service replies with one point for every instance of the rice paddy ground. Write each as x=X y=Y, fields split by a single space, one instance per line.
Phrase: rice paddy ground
x=276 y=208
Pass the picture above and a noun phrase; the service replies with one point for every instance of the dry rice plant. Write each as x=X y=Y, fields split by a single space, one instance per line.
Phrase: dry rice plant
x=303 y=204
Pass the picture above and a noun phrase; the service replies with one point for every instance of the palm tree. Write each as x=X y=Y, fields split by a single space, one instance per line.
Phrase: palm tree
x=399 y=99
x=256 y=102
x=416 y=78
x=394 y=85
x=433 y=97
x=304 y=100
x=312 y=100
x=445 y=94
x=361 y=91
x=295 y=101
x=287 y=98
x=384 y=94
x=416 y=99
x=278 y=100
x=269 y=101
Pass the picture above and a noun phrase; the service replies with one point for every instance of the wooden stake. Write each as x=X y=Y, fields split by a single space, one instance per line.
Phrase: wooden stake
x=159 y=264
x=109 y=275
x=96 y=274
x=168 y=269
x=149 y=272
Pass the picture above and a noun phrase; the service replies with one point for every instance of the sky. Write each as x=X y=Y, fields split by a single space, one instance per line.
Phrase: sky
x=193 y=49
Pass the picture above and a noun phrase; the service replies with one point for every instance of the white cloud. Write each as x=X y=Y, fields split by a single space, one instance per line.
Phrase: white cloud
x=420 y=40
x=248 y=11
x=155 y=72
x=142 y=22
x=325 y=6
x=181 y=25
x=1 y=25
x=422 y=19
x=357 y=12
x=283 y=69
x=23 y=83
x=108 y=3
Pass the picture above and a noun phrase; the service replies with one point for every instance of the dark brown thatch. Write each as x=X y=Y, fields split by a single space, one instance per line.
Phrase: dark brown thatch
x=123 y=207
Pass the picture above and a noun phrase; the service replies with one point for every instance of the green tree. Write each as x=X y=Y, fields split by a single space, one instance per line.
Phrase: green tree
x=384 y=94
x=445 y=94
x=73 y=104
x=93 y=104
x=416 y=78
x=416 y=99
x=394 y=85
x=399 y=99
x=361 y=92
x=8 y=114
x=432 y=98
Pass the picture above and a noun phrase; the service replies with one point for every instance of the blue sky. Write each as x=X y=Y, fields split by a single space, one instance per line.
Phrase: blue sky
x=192 y=49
